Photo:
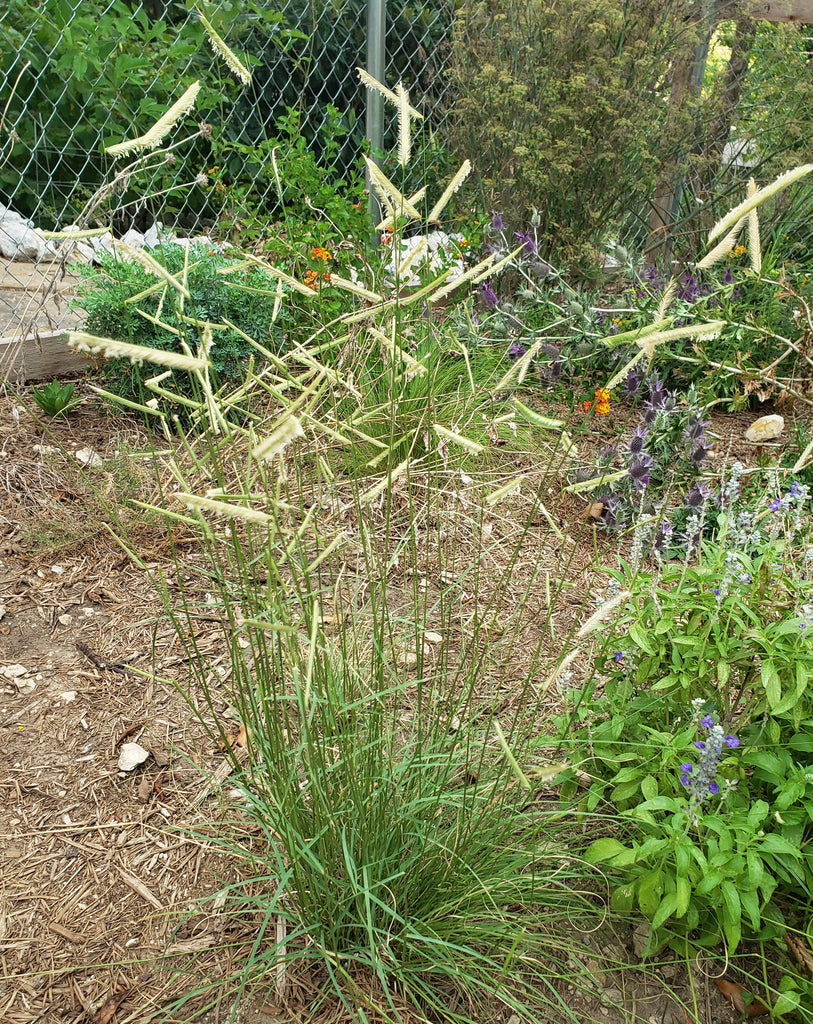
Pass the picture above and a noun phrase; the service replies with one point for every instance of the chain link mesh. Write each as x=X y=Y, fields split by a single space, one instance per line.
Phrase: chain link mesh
x=78 y=75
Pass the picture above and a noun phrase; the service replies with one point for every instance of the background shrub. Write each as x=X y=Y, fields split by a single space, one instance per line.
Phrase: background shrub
x=566 y=106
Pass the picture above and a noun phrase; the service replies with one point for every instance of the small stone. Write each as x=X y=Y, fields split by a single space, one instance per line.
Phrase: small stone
x=432 y=638
x=13 y=671
x=132 y=755
x=87 y=457
x=766 y=428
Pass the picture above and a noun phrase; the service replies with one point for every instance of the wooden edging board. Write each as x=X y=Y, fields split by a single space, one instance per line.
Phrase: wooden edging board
x=41 y=356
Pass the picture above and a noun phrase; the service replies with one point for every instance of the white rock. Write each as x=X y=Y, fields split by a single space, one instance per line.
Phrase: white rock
x=13 y=671
x=154 y=235
x=766 y=428
x=131 y=756
x=87 y=457
x=18 y=240
x=102 y=243
x=133 y=238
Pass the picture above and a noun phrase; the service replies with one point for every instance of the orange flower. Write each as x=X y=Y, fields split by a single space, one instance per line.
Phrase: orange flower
x=386 y=238
x=601 y=403
x=311 y=279
x=318 y=253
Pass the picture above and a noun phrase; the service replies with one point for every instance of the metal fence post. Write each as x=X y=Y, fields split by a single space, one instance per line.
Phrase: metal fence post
x=376 y=59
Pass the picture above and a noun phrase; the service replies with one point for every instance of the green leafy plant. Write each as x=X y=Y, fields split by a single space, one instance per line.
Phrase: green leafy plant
x=55 y=399
x=710 y=658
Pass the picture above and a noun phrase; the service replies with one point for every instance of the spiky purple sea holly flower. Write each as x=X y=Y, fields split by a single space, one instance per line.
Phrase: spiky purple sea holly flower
x=657 y=394
x=488 y=296
x=697 y=496
x=637 y=442
x=632 y=384
x=700 y=453
x=695 y=427
x=639 y=471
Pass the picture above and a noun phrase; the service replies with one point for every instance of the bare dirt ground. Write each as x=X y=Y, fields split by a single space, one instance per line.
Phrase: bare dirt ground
x=97 y=881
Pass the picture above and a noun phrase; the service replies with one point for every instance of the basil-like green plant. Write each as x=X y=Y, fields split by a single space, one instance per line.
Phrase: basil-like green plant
x=696 y=728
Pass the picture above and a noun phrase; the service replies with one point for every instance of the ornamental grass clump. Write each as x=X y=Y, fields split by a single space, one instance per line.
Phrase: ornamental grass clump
x=379 y=822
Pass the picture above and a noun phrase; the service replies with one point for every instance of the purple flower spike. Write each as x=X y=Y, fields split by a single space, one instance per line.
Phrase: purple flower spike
x=497 y=221
x=728 y=277
x=528 y=241
x=488 y=296
x=516 y=351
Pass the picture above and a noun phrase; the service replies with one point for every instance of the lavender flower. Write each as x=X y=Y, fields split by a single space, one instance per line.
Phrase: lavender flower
x=488 y=296
x=497 y=221
x=516 y=351
x=528 y=241
x=728 y=276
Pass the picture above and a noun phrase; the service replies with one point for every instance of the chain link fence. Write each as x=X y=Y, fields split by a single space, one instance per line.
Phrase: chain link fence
x=79 y=75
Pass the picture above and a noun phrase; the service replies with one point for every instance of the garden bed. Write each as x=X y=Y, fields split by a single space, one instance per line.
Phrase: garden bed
x=98 y=880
